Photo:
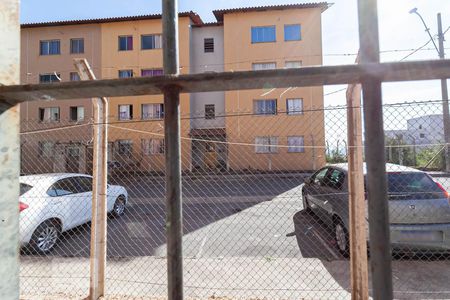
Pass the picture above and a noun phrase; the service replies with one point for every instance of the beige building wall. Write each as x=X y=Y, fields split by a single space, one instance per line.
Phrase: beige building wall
x=137 y=129
x=244 y=130
x=67 y=142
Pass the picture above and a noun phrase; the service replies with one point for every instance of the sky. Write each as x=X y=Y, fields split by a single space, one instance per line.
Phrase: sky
x=400 y=32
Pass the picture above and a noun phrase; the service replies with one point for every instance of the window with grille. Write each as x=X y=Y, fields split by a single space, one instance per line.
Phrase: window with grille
x=153 y=146
x=152 y=72
x=265 y=107
x=208 y=45
x=264 y=66
x=76 y=46
x=49 y=78
x=152 y=111
x=294 y=106
x=266 y=144
x=76 y=113
x=263 y=34
x=125 y=73
x=210 y=111
x=126 y=43
x=45 y=148
x=125 y=112
x=296 y=144
x=293 y=64
x=151 y=41
x=51 y=47
x=49 y=114
x=125 y=147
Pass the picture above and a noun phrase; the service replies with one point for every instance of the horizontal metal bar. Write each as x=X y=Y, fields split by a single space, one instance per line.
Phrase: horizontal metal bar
x=226 y=81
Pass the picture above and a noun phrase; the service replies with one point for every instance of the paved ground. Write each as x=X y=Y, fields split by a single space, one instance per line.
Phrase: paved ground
x=254 y=240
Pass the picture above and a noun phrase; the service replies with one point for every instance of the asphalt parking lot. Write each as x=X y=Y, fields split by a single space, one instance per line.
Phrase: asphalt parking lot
x=243 y=237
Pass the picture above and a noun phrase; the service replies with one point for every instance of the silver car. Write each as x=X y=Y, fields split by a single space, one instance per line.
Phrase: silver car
x=419 y=208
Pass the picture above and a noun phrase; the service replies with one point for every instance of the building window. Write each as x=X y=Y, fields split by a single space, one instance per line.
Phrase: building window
x=210 y=111
x=51 y=47
x=125 y=112
x=152 y=111
x=208 y=45
x=422 y=135
x=76 y=46
x=152 y=72
x=265 y=34
x=76 y=113
x=125 y=43
x=49 y=78
x=153 y=146
x=125 y=147
x=49 y=114
x=292 y=32
x=264 y=66
x=151 y=41
x=293 y=64
x=45 y=148
x=266 y=144
x=296 y=144
x=74 y=76
x=420 y=126
x=125 y=73
x=294 y=106
x=265 y=107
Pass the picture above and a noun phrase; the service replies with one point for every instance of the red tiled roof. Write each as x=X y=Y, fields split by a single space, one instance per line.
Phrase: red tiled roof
x=194 y=17
x=219 y=13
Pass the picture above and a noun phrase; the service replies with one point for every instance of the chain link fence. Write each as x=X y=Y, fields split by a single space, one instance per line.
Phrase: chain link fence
x=265 y=214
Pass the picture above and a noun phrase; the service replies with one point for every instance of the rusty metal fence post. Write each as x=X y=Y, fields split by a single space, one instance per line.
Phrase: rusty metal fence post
x=174 y=221
x=380 y=246
x=9 y=153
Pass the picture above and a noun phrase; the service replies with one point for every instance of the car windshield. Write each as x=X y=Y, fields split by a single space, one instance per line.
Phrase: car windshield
x=24 y=188
x=417 y=185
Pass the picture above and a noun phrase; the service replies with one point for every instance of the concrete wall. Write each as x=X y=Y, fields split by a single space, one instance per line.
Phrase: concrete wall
x=240 y=53
x=202 y=62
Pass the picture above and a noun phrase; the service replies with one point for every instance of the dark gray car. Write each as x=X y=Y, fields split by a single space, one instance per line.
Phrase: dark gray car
x=419 y=208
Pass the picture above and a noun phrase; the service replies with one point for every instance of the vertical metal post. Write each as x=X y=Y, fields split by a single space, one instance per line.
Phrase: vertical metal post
x=444 y=90
x=9 y=153
x=380 y=246
x=99 y=191
x=174 y=222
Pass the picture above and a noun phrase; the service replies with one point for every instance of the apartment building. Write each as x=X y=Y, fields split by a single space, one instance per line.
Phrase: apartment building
x=219 y=129
x=284 y=136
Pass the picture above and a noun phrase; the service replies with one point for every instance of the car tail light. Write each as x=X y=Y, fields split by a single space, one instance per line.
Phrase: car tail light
x=22 y=206
x=442 y=189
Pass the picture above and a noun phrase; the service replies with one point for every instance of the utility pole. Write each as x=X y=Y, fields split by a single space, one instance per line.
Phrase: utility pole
x=444 y=89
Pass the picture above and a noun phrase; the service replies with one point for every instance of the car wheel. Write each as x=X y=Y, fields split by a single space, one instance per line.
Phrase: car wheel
x=119 y=206
x=341 y=237
x=45 y=237
x=306 y=206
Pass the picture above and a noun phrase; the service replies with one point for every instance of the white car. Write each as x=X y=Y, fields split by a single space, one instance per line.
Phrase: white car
x=50 y=204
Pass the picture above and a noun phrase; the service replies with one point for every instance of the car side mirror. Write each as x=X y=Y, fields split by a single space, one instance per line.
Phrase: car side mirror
x=308 y=180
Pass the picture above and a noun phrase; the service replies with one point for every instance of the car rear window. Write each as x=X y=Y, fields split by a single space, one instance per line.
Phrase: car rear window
x=412 y=185
x=24 y=188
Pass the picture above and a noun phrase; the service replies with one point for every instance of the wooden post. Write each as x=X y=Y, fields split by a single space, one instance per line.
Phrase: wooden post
x=358 y=240
x=174 y=221
x=99 y=192
x=9 y=152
